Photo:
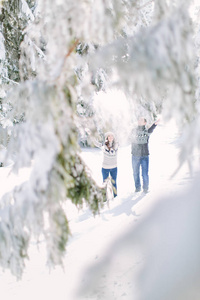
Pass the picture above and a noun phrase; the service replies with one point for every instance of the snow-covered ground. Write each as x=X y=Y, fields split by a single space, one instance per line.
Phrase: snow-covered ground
x=143 y=247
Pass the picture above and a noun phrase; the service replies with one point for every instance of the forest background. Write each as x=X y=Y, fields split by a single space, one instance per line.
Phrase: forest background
x=55 y=60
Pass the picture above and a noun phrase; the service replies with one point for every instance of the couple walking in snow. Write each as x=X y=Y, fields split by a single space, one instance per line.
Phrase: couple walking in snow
x=140 y=156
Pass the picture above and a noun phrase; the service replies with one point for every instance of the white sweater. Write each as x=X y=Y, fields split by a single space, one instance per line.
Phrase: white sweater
x=109 y=157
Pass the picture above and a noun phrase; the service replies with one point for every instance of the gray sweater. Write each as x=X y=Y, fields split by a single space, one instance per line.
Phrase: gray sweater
x=140 y=140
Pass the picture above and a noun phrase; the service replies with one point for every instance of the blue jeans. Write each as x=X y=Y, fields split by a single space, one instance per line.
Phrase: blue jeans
x=113 y=174
x=142 y=161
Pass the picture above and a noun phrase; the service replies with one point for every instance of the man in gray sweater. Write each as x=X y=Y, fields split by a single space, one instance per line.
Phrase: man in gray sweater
x=140 y=153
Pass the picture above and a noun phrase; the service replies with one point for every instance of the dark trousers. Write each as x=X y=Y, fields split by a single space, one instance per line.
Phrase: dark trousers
x=113 y=174
x=141 y=162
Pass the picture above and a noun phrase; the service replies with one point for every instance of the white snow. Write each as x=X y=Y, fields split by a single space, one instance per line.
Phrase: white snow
x=2 y=48
x=123 y=252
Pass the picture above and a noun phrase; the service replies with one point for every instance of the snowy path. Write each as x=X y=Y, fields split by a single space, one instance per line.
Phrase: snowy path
x=92 y=237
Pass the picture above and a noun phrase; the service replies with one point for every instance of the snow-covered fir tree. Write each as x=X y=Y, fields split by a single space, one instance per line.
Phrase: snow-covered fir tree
x=55 y=55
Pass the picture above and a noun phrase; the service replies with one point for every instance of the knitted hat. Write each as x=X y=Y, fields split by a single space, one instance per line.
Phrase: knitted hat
x=109 y=133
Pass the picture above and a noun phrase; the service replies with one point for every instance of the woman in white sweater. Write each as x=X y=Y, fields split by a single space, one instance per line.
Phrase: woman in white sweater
x=109 y=165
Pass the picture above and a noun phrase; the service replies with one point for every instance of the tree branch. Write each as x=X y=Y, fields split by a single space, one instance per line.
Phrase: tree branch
x=71 y=49
x=144 y=5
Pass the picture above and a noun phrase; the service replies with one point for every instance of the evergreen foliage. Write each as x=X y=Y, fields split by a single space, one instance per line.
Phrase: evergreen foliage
x=58 y=54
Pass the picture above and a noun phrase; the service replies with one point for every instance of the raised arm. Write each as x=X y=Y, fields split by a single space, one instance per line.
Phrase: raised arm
x=98 y=144
x=153 y=126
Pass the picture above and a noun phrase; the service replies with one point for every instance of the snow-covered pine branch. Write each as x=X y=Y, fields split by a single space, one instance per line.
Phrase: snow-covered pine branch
x=147 y=52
